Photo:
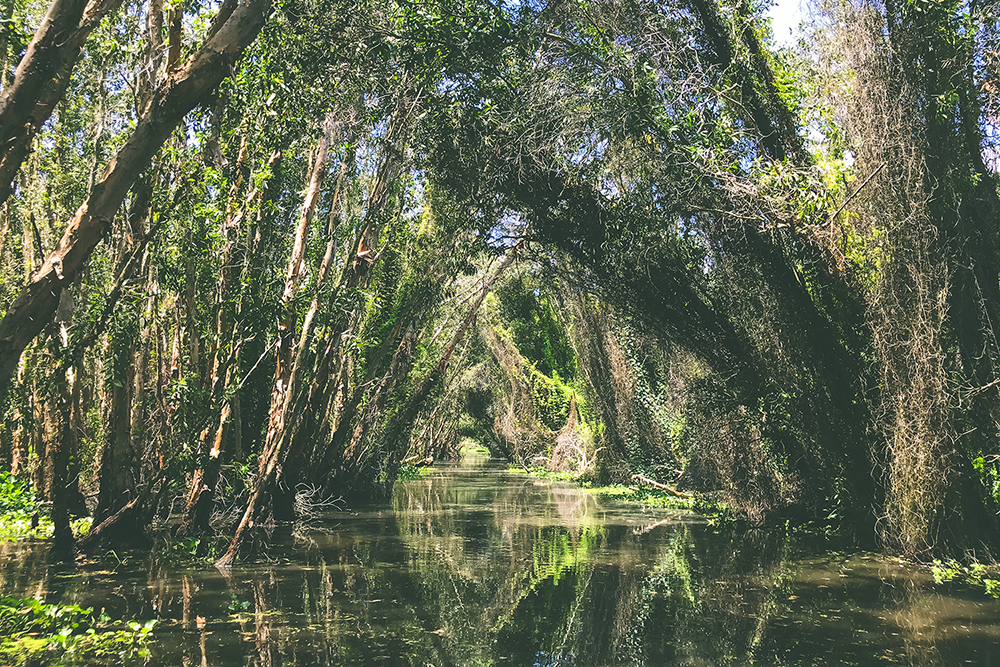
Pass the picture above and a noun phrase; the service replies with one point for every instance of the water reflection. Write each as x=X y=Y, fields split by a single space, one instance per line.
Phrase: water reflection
x=471 y=566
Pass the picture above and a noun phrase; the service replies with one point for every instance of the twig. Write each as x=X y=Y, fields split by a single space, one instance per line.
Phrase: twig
x=855 y=193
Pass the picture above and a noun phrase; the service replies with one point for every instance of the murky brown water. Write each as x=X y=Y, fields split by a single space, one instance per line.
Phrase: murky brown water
x=471 y=566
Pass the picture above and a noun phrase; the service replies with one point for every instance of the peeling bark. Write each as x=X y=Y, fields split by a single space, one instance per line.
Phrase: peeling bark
x=42 y=77
x=285 y=379
x=181 y=90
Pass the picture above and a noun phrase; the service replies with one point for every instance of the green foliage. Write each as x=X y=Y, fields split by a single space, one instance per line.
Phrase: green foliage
x=23 y=616
x=189 y=551
x=19 y=508
x=535 y=326
x=551 y=397
x=16 y=495
x=988 y=468
x=470 y=449
x=410 y=472
x=718 y=512
x=976 y=575
x=17 y=526
x=542 y=472
x=35 y=632
x=237 y=606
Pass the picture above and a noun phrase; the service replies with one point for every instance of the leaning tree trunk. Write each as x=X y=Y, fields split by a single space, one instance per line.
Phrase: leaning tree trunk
x=287 y=364
x=182 y=89
x=42 y=77
x=287 y=399
x=401 y=423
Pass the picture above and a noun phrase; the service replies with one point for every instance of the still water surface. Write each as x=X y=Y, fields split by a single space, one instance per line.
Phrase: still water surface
x=472 y=566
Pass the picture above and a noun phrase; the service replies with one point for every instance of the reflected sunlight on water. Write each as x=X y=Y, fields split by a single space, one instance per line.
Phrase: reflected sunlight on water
x=472 y=566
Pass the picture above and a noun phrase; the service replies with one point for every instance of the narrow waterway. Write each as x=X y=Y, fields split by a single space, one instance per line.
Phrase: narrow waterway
x=472 y=566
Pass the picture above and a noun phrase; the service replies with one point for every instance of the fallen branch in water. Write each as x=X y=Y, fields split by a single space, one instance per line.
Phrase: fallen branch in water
x=419 y=462
x=661 y=487
x=646 y=529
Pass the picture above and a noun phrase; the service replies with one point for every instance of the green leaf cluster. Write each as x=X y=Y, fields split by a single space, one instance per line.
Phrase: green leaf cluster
x=16 y=495
x=35 y=632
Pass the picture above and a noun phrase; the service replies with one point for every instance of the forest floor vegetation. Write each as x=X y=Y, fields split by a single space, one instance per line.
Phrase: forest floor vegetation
x=975 y=575
x=716 y=512
x=23 y=516
x=37 y=633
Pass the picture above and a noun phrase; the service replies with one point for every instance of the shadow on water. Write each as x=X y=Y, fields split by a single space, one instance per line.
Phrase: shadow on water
x=471 y=566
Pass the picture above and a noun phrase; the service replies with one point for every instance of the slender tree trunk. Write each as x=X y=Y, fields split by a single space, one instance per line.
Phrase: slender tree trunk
x=201 y=495
x=59 y=492
x=118 y=468
x=181 y=90
x=149 y=79
x=5 y=216
x=42 y=77
x=100 y=122
x=191 y=321
x=5 y=29
x=21 y=440
x=77 y=501
x=174 y=14
x=284 y=378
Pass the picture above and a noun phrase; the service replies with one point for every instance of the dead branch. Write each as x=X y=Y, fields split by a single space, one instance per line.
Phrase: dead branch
x=661 y=487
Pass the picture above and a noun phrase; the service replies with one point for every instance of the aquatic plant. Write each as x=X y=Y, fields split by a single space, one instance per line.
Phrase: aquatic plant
x=976 y=574
x=34 y=632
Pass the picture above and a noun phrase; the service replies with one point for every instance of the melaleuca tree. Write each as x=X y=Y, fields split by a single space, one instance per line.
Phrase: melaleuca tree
x=631 y=152
x=300 y=278
x=158 y=108
x=185 y=87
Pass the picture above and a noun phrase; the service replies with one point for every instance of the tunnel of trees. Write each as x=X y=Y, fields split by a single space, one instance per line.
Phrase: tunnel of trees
x=256 y=254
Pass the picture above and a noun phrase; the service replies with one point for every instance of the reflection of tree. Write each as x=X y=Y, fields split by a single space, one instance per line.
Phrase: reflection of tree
x=469 y=569
x=547 y=582
x=917 y=618
x=24 y=569
x=690 y=607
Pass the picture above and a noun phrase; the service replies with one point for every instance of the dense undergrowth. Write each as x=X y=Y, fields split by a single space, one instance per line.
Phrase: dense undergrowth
x=23 y=516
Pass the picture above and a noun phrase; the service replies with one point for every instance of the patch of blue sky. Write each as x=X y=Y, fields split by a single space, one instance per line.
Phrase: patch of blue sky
x=508 y=231
x=590 y=150
x=609 y=188
x=786 y=18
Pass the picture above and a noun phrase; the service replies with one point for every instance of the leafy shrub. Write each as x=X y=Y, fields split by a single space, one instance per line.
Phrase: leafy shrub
x=22 y=516
x=551 y=398
x=16 y=495
x=974 y=575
